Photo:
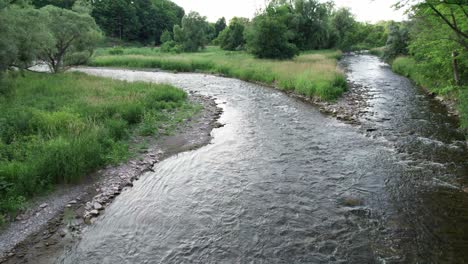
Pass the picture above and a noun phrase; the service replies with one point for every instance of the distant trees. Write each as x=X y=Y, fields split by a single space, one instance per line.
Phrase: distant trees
x=129 y=20
x=269 y=35
x=232 y=37
x=192 y=35
x=219 y=26
x=397 y=42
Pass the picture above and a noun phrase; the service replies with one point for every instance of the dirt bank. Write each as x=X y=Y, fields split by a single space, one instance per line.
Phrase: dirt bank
x=54 y=223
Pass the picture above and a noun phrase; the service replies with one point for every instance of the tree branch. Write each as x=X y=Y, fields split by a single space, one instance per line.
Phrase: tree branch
x=452 y=26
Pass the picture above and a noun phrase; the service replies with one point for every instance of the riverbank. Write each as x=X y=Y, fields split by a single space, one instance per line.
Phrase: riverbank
x=454 y=97
x=311 y=74
x=55 y=222
x=57 y=128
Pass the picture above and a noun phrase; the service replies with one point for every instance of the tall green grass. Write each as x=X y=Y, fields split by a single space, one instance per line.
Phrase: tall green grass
x=408 y=67
x=57 y=128
x=313 y=74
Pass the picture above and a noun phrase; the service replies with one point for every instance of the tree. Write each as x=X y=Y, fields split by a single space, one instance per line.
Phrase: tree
x=269 y=35
x=344 y=24
x=453 y=14
x=397 y=43
x=192 y=34
x=232 y=37
x=24 y=36
x=166 y=36
x=74 y=34
x=117 y=18
x=220 y=25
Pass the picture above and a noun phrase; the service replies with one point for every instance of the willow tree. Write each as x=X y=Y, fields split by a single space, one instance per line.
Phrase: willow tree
x=75 y=35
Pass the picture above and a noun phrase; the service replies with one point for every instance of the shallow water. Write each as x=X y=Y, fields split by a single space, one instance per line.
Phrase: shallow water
x=282 y=183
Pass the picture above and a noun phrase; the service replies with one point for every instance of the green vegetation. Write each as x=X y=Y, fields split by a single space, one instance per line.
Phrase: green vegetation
x=432 y=49
x=57 y=128
x=57 y=36
x=410 y=68
x=310 y=74
x=232 y=37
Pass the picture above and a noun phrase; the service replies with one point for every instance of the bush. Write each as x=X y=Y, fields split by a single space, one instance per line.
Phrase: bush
x=171 y=46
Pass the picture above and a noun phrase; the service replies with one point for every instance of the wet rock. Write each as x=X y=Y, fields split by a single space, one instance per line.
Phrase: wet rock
x=72 y=202
x=94 y=212
x=371 y=129
x=98 y=206
x=44 y=205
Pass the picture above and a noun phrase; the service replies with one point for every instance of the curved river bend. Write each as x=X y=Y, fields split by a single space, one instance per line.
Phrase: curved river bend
x=282 y=183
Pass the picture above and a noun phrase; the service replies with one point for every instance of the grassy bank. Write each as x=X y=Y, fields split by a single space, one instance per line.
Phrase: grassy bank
x=312 y=74
x=410 y=68
x=58 y=128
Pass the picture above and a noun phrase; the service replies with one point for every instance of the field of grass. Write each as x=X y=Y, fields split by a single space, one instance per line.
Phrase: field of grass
x=57 y=128
x=312 y=74
x=408 y=67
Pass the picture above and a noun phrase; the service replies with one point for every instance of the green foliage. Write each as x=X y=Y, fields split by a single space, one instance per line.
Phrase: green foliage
x=24 y=36
x=166 y=36
x=58 y=128
x=269 y=35
x=72 y=33
x=397 y=42
x=232 y=37
x=192 y=35
x=171 y=46
x=219 y=26
x=140 y=20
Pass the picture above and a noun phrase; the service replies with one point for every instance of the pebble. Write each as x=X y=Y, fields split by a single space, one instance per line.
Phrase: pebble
x=44 y=205
x=72 y=202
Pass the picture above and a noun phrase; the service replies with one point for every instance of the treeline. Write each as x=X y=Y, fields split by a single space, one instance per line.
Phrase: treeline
x=284 y=29
x=130 y=20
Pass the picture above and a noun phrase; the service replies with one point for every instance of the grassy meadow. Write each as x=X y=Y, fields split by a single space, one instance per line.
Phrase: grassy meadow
x=57 y=128
x=312 y=74
x=408 y=67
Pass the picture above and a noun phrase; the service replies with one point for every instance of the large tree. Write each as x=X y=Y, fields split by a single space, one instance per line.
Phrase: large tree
x=24 y=35
x=232 y=37
x=74 y=34
x=269 y=35
x=192 y=35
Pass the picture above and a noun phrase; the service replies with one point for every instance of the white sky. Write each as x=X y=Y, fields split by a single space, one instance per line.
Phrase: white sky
x=365 y=10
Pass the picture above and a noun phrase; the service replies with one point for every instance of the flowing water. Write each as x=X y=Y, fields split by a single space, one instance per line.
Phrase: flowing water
x=283 y=183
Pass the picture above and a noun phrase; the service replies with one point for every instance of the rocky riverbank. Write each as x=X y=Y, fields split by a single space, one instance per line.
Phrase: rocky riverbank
x=54 y=223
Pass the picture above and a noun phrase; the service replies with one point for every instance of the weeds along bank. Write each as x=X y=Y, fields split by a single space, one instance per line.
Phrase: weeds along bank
x=58 y=128
x=312 y=74
x=427 y=77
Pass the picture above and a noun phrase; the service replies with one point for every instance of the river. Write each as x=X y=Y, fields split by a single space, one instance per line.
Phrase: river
x=283 y=183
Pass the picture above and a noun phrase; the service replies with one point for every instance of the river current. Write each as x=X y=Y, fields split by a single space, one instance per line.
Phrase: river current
x=283 y=183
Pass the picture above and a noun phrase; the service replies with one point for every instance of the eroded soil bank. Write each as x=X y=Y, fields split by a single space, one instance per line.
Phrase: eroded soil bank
x=55 y=222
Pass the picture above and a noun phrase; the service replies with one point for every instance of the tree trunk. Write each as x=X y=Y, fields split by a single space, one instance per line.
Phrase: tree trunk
x=456 y=74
